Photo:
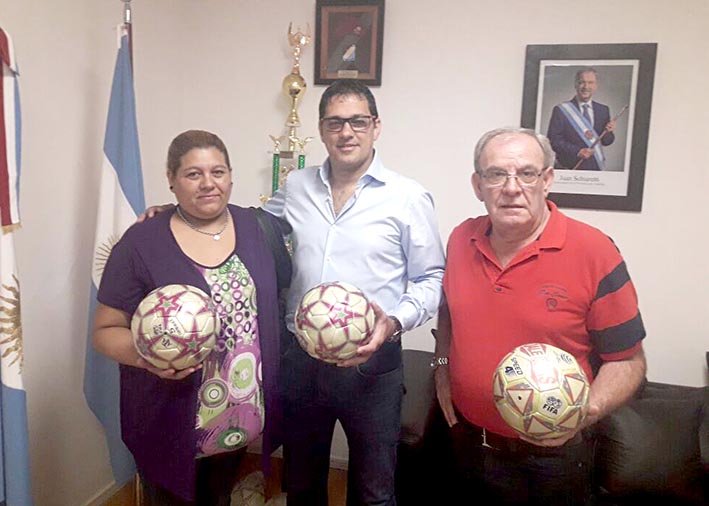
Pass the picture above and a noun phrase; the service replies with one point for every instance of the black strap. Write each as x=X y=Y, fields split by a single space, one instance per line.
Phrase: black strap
x=280 y=253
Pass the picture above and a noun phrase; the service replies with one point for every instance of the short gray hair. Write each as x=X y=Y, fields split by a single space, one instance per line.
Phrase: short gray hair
x=582 y=71
x=549 y=155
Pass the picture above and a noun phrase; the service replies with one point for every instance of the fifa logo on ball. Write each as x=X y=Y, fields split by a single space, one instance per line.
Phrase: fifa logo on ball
x=552 y=405
x=540 y=391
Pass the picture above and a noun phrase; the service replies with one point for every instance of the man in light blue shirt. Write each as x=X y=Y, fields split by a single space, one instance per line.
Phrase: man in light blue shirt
x=355 y=221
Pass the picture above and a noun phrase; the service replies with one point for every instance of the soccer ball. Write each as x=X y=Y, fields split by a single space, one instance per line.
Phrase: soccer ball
x=540 y=391
x=175 y=327
x=333 y=320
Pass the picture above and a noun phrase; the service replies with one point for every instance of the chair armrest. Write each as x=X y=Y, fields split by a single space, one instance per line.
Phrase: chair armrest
x=654 y=445
x=419 y=403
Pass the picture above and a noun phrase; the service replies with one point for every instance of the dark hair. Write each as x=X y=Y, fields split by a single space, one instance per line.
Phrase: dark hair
x=348 y=87
x=191 y=139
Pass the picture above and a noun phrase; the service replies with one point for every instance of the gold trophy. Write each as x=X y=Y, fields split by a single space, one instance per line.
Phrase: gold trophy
x=294 y=86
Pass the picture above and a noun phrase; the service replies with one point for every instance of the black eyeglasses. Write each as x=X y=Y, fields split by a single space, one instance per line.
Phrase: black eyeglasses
x=357 y=123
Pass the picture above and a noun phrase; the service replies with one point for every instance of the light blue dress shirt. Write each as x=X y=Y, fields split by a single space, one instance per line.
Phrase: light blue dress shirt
x=385 y=240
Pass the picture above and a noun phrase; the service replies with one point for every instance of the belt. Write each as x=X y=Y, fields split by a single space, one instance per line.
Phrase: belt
x=490 y=440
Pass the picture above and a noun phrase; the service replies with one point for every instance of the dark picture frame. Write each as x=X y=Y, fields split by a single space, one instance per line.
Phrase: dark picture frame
x=349 y=37
x=625 y=74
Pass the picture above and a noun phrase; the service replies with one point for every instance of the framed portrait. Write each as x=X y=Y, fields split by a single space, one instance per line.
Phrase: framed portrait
x=348 y=40
x=593 y=101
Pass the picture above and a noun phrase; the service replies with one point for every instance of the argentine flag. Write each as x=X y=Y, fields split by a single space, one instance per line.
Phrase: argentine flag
x=14 y=442
x=121 y=199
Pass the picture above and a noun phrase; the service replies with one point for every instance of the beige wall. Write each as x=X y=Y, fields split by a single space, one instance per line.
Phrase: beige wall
x=452 y=70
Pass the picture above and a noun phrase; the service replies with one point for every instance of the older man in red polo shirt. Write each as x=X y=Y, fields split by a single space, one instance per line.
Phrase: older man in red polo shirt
x=524 y=273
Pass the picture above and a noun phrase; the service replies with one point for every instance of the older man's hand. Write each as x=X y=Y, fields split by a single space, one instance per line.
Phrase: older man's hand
x=591 y=417
x=443 y=393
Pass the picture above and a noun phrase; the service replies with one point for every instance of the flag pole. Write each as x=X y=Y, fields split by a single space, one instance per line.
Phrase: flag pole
x=127 y=22
x=126 y=11
x=121 y=200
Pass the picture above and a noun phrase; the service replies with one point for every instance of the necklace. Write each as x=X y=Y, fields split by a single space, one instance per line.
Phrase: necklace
x=216 y=236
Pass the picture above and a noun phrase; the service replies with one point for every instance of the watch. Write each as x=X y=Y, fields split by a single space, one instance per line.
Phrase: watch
x=437 y=362
x=398 y=330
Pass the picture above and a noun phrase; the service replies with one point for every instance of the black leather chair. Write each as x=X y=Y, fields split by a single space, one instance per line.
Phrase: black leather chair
x=655 y=448
x=425 y=462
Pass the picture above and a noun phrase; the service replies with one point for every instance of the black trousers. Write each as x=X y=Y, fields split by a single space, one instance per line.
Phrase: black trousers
x=504 y=471
x=216 y=477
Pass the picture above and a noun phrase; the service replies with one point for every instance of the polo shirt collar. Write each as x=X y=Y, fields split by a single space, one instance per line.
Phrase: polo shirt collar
x=554 y=233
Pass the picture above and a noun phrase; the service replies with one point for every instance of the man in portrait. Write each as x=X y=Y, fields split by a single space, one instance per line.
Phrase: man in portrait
x=351 y=43
x=581 y=127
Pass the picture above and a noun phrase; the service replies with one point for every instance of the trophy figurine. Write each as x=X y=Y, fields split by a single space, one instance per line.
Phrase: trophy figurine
x=293 y=88
x=293 y=84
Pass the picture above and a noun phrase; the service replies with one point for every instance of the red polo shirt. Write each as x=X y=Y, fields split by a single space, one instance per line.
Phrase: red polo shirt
x=569 y=288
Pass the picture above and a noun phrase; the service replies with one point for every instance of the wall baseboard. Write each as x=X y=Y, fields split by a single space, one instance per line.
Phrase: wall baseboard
x=114 y=495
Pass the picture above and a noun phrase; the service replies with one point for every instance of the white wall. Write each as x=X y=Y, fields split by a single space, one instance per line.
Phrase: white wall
x=452 y=70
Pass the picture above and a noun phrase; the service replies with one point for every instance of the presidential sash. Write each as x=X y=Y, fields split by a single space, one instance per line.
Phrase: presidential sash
x=581 y=126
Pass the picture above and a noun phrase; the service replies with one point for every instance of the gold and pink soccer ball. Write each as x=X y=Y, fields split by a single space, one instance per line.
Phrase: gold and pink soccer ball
x=540 y=391
x=333 y=320
x=175 y=327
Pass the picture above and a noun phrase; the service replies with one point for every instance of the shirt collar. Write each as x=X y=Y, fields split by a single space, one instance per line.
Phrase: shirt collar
x=554 y=234
x=375 y=171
